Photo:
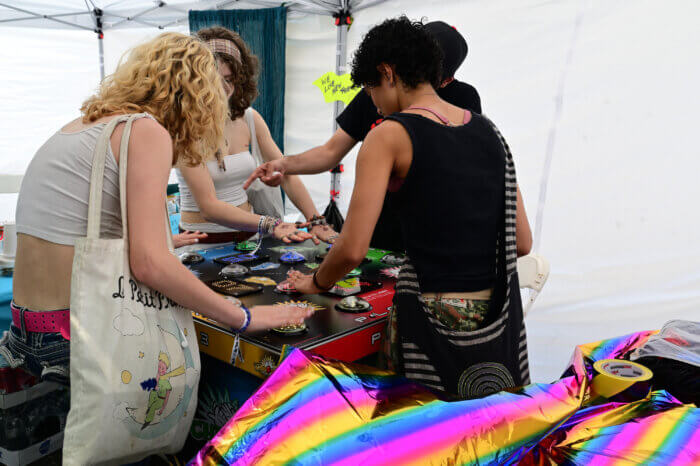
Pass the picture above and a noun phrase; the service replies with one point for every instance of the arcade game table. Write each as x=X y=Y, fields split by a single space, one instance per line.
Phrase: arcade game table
x=330 y=332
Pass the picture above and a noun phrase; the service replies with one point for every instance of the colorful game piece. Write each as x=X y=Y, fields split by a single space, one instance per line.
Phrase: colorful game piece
x=234 y=271
x=233 y=288
x=292 y=257
x=354 y=273
x=246 y=246
x=391 y=272
x=265 y=266
x=312 y=265
x=376 y=254
x=265 y=281
x=289 y=330
x=346 y=287
x=285 y=287
x=394 y=259
x=239 y=258
x=353 y=304
x=190 y=258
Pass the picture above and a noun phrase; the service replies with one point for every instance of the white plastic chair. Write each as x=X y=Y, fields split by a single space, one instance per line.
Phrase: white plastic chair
x=533 y=271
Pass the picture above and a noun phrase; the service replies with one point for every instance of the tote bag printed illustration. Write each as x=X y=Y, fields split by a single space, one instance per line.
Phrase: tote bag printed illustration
x=134 y=364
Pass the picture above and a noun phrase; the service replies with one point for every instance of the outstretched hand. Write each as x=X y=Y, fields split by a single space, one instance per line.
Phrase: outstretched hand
x=288 y=232
x=187 y=238
x=270 y=173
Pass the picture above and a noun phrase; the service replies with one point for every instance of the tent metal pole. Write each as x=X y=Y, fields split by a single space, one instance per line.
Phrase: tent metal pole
x=340 y=69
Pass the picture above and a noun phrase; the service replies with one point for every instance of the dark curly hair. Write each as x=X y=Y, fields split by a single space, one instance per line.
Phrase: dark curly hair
x=404 y=44
x=245 y=73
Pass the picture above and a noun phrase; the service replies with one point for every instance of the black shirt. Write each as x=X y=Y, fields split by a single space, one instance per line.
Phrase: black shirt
x=451 y=202
x=358 y=119
x=360 y=116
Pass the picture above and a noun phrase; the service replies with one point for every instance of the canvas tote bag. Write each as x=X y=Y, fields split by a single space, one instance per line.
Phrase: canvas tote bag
x=134 y=359
x=265 y=200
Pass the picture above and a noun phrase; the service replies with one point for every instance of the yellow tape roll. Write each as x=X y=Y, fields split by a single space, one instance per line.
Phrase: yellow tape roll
x=617 y=375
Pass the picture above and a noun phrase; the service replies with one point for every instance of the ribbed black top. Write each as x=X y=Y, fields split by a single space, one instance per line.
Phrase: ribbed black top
x=451 y=203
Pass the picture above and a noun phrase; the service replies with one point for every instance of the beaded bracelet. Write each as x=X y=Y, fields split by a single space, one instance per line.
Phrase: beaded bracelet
x=246 y=323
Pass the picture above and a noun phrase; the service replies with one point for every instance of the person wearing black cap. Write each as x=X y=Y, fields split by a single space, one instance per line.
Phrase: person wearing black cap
x=358 y=119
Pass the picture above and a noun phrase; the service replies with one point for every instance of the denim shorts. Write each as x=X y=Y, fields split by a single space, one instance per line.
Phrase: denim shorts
x=44 y=355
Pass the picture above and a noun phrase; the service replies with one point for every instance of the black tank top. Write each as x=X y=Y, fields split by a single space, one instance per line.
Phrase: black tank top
x=451 y=203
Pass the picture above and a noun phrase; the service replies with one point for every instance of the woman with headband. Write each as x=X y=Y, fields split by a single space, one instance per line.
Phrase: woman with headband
x=212 y=196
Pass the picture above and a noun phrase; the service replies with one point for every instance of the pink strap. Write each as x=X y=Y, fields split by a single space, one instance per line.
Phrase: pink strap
x=441 y=117
x=43 y=322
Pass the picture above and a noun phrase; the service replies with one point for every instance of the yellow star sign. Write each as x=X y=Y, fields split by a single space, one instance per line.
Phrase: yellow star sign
x=336 y=87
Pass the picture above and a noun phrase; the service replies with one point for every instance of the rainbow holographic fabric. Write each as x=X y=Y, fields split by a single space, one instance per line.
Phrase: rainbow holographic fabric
x=313 y=411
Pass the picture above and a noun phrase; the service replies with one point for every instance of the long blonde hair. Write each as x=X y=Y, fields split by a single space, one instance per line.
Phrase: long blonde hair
x=174 y=78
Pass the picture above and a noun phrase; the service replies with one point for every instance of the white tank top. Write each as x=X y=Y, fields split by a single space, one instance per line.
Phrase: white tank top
x=53 y=200
x=227 y=183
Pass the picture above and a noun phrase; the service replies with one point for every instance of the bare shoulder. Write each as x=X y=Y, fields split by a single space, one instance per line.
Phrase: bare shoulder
x=147 y=136
x=389 y=134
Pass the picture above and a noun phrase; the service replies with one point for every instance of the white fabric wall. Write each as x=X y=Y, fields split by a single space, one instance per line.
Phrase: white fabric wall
x=605 y=90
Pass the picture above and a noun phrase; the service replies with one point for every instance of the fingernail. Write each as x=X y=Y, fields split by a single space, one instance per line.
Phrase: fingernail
x=196 y=240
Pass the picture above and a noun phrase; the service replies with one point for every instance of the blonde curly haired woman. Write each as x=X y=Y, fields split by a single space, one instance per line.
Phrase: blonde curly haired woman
x=172 y=79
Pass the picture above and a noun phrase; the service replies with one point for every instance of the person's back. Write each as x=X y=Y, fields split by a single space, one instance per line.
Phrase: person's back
x=455 y=184
x=52 y=213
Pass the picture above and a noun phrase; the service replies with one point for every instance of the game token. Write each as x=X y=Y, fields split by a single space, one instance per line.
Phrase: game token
x=292 y=257
x=190 y=258
x=285 y=287
x=391 y=272
x=265 y=266
x=394 y=259
x=233 y=287
x=265 y=281
x=289 y=330
x=239 y=258
x=353 y=304
x=246 y=246
x=234 y=271
x=346 y=287
x=312 y=265
x=354 y=273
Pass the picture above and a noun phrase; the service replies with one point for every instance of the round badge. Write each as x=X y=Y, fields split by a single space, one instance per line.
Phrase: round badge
x=289 y=330
x=292 y=257
x=234 y=271
x=189 y=258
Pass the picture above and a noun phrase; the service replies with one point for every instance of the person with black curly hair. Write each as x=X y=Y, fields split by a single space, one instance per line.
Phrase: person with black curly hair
x=212 y=195
x=457 y=322
x=360 y=116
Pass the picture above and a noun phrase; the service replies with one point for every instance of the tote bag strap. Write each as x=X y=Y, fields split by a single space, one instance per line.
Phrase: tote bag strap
x=97 y=178
x=254 y=147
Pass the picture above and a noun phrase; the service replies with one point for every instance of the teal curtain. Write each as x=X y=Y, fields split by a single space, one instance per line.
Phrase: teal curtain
x=264 y=30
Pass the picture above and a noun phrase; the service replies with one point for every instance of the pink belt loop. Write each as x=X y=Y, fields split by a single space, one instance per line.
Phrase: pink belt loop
x=43 y=321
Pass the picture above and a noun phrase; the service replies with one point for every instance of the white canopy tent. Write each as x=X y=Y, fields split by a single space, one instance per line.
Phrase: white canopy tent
x=597 y=101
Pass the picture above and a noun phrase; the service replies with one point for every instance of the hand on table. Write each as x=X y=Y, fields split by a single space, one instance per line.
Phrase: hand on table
x=279 y=315
x=289 y=232
x=187 y=238
x=303 y=283
x=270 y=173
x=325 y=233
